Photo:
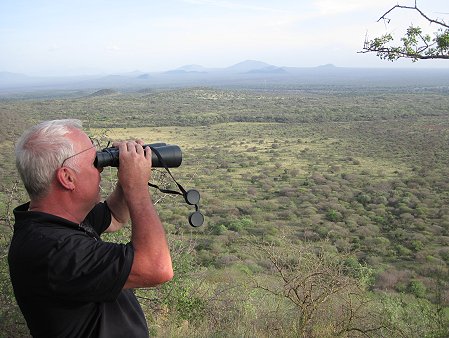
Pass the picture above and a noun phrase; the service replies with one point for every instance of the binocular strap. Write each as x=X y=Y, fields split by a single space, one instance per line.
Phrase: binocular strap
x=192 y=197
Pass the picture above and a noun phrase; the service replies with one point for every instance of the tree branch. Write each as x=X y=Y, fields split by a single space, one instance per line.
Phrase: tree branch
x=440 y=23
x=414 y=44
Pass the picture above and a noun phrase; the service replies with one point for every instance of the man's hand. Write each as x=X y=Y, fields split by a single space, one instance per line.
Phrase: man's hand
x=135 y=165
x=134 y=172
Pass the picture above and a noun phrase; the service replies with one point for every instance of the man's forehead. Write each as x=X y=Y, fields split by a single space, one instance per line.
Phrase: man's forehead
x=79 y=136
x=79 y=139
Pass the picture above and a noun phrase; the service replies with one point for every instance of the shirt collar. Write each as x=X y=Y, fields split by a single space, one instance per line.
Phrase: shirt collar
x=22 y=215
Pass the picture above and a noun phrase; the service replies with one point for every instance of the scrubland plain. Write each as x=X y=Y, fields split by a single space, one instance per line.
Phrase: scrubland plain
x=327 y=208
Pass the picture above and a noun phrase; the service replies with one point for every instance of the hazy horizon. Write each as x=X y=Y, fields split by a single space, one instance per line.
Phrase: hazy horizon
x=48 y=38
x=136 y=72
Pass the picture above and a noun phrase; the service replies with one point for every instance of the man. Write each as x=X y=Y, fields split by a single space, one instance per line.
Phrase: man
x=67 y=281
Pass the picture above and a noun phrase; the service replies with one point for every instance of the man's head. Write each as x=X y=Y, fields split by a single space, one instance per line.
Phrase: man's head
x=41 y=150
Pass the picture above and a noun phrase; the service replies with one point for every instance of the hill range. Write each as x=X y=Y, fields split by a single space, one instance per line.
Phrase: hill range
x=249 y=73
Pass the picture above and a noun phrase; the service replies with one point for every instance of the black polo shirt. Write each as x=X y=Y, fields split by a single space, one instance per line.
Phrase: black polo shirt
x=68 y=282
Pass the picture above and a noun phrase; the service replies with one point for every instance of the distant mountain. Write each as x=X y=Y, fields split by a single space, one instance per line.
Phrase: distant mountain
x=193 y=68
x=247 y=73
x=15 y=80
x=248 y=66
x=145 y=76
x=328 y=66
x=268 y=70
x=244 y=67
x=182 y=72
x=7 y=76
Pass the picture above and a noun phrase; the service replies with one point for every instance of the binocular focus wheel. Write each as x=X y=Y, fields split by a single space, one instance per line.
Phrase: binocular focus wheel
x=196 y=219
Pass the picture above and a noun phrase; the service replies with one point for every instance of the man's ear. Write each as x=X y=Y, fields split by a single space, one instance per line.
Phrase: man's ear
x=65 y=178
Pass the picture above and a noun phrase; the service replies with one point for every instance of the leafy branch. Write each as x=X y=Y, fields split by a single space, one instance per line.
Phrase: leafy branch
x=414 y=44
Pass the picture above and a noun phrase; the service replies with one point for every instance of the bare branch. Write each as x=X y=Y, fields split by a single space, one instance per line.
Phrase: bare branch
x=440 y=23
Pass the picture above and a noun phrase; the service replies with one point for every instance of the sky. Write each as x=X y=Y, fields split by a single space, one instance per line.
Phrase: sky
x=68 y=37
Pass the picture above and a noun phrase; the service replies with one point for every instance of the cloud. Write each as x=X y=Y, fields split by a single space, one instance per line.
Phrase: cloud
x=233 y=5
x=112 y=47
x=55 y=47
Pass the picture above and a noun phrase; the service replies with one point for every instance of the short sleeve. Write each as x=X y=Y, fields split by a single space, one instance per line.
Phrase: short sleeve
x=99 y=218
x=84 y=269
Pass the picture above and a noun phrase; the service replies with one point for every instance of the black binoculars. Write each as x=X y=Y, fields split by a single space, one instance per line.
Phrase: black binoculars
x=162 y=155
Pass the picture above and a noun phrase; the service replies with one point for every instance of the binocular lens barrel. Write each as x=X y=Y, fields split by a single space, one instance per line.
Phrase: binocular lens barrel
x=171 y=156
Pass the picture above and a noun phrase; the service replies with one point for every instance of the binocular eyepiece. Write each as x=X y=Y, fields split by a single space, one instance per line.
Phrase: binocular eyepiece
x=170 y=156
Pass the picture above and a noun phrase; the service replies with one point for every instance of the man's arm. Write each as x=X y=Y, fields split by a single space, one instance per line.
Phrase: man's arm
x=152 y=263
x=119 y=209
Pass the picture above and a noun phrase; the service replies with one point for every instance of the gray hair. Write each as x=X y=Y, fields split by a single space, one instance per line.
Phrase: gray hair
x=41 y=150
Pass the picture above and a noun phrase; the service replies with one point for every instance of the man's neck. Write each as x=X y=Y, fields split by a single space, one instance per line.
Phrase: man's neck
x=61 y=206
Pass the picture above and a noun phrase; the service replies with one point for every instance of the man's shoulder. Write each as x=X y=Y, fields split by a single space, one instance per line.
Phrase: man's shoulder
x=37 y=225
x=33 y=240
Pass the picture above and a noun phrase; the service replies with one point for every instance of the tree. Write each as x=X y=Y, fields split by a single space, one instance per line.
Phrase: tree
x=326 y=290
x=415 y=44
